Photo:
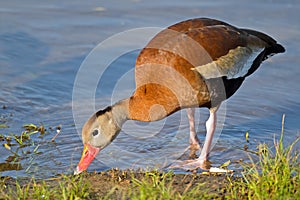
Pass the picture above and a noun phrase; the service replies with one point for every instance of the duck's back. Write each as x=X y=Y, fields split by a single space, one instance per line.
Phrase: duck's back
x=186 y=64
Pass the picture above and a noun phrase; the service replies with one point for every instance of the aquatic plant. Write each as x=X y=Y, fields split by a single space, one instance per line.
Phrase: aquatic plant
x=23 y=146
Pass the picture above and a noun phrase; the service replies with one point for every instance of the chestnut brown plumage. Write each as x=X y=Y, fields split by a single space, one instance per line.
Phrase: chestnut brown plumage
x=194 y=63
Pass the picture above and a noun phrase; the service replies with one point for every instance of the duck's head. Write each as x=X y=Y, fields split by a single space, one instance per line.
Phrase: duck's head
x=98 y=132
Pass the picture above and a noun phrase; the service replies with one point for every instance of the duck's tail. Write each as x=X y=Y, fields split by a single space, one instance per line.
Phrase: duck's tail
x=270 y=50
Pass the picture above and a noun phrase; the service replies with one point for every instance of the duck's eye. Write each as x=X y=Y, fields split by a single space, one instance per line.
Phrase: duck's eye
x=95 y=132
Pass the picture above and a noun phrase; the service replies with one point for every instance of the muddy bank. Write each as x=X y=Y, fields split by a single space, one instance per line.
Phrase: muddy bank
x=123 y=182
x=117 y=184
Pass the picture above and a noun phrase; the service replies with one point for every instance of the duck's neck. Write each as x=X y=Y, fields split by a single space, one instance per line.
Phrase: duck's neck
x=138 y=109
x=120 y=112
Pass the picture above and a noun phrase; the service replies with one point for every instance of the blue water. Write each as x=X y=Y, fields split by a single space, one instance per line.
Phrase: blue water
x=43 y=44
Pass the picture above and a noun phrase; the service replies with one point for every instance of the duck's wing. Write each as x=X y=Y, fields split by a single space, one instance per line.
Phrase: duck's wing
x=236 y=63
x=232 y=52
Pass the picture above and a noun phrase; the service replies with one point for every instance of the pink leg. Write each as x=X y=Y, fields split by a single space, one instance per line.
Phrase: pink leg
x=194 y=141
x=210 y=129
x=202 y=161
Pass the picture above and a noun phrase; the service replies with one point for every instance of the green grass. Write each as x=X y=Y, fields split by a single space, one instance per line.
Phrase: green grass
x=153 y=186
x=63 y=187
x=157 y=185
x=276 y=175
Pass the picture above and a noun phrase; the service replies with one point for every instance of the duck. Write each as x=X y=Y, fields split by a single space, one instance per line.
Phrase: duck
x=195 y=63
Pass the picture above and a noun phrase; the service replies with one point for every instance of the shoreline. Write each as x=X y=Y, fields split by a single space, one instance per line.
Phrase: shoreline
x=120 y=184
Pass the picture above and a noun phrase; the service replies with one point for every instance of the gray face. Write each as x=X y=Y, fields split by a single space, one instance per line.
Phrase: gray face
x=98 y=138
x=99 y=131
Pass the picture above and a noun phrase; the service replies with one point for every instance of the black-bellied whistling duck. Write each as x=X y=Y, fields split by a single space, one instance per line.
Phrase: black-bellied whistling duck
x=194 y=63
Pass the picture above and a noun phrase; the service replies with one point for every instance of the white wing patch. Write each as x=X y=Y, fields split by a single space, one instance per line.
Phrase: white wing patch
x=234 y=64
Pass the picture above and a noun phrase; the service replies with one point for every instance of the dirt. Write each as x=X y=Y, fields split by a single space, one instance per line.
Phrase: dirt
x=121 y=181
x=180 y=182
x=118 y=183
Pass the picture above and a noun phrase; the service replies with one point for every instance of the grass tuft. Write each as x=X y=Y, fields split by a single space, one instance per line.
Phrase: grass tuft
x=63 y=187
x=276 y=175
x=152 y=186
x=74 y=188
x=156 y=185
